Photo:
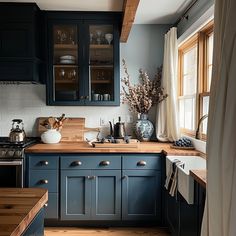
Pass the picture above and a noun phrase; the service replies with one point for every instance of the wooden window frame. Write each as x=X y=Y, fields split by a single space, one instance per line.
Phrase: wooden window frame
x=200 y=38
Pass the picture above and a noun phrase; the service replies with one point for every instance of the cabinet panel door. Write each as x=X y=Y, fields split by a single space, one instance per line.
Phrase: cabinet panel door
x=51 y=210
x=16 y=39
x=75 y=195
x=141 y=195
x=106 y=195
x=172 y=214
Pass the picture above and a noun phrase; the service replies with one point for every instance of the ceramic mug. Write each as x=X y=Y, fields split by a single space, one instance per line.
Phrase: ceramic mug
x=106 y=97
x=97 y=97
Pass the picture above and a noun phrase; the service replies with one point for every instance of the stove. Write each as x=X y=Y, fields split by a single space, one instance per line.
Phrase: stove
x=12 y=163
x=9 y=150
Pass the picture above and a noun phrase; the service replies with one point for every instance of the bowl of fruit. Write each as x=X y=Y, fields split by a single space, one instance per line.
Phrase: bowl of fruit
x=183 y=143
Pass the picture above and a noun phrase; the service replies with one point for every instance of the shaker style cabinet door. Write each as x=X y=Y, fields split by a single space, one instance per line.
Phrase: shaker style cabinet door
x=106 y=195
x=141 y=195
x=75 y=194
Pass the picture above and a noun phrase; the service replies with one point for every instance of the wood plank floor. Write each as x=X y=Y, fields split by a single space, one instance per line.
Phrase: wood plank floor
x=118 y=231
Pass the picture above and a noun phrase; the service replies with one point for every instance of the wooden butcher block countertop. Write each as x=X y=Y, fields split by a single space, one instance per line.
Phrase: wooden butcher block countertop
x=18 y=207
x=83 y=147
x=199 y=176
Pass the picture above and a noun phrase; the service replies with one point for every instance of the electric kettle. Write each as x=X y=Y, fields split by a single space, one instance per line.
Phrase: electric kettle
x=17 y=133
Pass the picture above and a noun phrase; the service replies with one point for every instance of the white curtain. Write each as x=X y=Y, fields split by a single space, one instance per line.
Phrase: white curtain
x=167 y=118
x=220 y=210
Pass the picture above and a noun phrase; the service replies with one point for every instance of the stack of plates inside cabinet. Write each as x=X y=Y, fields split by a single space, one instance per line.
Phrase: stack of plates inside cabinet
x=67 y=59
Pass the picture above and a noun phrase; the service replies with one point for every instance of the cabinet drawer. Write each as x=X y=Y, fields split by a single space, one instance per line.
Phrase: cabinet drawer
x=91 y=162
x=43 y=162
x=142 y=162
x=51 y=209
x=44 y=179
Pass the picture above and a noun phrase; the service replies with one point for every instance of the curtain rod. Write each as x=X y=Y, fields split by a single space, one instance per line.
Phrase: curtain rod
x=183 y=16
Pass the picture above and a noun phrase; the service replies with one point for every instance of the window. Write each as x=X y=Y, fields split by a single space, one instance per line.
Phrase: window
x=195 y=70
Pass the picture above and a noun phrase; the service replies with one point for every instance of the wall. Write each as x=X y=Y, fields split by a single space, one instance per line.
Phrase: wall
x=144 y=49
x=194 y=14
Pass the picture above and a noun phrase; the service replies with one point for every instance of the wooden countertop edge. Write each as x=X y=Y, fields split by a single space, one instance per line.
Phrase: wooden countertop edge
x=19 y=230
x=199 y=176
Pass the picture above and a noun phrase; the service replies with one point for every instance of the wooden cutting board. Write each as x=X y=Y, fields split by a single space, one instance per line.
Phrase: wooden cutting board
x=72 y=131
x=134 y=143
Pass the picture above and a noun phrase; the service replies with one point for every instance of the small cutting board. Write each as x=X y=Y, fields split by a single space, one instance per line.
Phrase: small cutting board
x=134 y=143
x=72 y=131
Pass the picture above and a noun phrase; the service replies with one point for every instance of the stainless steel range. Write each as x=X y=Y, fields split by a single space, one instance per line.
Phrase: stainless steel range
x=12 y=162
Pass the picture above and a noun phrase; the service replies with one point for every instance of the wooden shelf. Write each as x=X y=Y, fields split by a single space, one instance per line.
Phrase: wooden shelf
x=65 y=81
x=102 y=66
x=65 y=65
x=104 y=81
x=101 y=46
x=66 y=46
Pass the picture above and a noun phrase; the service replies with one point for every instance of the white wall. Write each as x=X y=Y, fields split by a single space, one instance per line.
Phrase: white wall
x=144 y=49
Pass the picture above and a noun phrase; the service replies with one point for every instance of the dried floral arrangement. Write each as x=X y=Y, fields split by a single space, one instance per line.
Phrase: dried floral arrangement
x=141 y=97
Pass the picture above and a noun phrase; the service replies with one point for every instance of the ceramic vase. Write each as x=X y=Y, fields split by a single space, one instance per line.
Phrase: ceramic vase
x=51 y=136
x=143 y=128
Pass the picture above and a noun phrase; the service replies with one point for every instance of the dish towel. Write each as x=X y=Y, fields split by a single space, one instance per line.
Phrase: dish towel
x=172 y=177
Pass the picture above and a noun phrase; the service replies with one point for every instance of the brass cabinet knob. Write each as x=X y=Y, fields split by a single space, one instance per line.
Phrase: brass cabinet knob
x=44 y=163
x=43 y=181
x=81 y=97
x=141 y=163
x=76 y=163
x=104 y=163
x=86 y=97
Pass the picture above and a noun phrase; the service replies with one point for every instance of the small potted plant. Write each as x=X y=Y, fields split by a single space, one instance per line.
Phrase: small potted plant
x=141 y=97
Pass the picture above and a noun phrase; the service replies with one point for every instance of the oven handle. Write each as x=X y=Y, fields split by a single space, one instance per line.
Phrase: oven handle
x=11 y=163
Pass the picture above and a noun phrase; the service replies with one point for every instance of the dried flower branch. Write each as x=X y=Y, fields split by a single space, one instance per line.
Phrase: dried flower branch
x=143 y=96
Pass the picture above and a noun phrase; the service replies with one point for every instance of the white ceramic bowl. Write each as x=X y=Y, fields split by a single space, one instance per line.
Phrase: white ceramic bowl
x=51 y=136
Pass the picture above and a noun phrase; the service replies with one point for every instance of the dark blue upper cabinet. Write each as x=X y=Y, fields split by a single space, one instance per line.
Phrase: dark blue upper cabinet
x=83 y=58
x=20 y=42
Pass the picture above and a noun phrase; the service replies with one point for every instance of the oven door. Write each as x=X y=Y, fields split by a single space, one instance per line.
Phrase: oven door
x=11 y=173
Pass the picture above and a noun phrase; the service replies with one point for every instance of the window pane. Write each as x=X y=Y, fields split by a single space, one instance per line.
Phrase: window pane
x=187 y=113
x=205 y=108
x=190 y=71
x=209 y=60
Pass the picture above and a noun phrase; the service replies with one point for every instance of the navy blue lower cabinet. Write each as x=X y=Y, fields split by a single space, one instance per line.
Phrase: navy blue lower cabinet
x=182 y=218
x=106 y=195
x=75 y=194
x=141 y=195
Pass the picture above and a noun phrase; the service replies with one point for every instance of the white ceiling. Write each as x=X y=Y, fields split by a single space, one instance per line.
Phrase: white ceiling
x=149 y=11
x=160 y=11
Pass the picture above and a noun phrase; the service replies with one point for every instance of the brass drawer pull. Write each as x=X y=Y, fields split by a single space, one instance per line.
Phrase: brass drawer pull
x=44 y=163
x=76 y=163
x=142 y=163
x=43 y=181
x=91 y=177
x=104 y=163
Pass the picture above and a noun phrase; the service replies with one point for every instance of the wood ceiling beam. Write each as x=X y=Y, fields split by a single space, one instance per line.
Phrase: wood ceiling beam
x=129 y=12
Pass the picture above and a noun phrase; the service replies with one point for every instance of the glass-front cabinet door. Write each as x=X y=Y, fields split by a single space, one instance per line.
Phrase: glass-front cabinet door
x=66 y=72
x=101 y=64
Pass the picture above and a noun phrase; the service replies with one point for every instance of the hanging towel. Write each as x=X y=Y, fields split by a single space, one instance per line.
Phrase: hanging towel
x=172 y=177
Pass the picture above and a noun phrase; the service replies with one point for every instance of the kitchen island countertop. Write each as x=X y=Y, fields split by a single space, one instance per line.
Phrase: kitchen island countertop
x=18 y=208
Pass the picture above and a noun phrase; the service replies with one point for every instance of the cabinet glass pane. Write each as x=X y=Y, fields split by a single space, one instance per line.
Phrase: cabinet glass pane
x=65 y=63
x=101 y=63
